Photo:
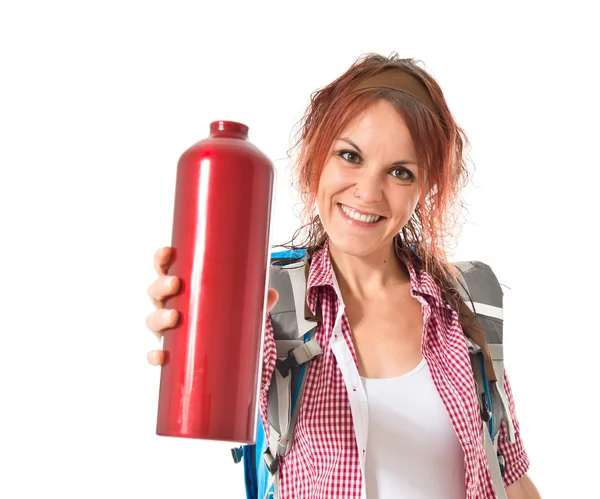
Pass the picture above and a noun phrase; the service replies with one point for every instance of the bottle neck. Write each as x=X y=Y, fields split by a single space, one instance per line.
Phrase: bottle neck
x=229 y=129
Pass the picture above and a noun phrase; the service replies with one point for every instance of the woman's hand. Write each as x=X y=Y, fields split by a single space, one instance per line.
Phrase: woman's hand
x=163 y=287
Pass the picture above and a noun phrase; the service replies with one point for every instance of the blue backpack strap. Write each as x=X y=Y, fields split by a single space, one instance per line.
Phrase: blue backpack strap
x=297 y=254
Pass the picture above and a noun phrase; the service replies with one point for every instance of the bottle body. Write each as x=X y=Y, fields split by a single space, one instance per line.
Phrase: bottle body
x=210 y=375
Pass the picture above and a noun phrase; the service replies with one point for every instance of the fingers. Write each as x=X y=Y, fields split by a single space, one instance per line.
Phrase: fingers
x=157 y=322
x=163 y=287
x=272 y=298
x=162 y=319
x=162 y=260
x=155 y=357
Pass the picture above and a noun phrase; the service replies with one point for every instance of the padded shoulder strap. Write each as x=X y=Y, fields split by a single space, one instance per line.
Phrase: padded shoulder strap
x=485 y=293
x=475 y=281
x=287 y=316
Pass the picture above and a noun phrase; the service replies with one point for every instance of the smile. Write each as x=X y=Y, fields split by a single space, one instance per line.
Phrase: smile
x=359 y=217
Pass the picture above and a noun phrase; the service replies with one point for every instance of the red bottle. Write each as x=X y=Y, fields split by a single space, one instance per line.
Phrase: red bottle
x=210 y=376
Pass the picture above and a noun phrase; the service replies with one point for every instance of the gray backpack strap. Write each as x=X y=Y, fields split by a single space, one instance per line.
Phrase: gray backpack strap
x=290 y=328
x=287 y=316
x=483 y=294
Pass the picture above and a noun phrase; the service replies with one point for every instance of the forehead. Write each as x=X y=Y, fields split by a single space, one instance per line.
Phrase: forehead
x=380 y=126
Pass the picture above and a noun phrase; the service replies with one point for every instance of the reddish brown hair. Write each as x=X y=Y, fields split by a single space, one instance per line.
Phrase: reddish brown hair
x=440 y=146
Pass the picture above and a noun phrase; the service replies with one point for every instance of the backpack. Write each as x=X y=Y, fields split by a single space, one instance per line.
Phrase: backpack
x=296 y=347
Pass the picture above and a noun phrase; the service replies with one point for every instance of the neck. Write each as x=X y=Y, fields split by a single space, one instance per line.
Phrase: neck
x=370 y=275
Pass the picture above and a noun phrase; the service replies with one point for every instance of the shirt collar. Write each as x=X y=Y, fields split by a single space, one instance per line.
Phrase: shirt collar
x=421 y=282
x=321 y=270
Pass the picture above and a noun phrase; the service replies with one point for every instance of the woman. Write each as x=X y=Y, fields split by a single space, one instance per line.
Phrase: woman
x=380 y=167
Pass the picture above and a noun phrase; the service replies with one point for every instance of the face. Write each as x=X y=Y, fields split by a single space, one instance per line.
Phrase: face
x=369 y=187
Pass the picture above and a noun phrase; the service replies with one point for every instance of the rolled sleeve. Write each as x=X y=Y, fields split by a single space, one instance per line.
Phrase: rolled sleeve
x=268 y=365
x=516 y=459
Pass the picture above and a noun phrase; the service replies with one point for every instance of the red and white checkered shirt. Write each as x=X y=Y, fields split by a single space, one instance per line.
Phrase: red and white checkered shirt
x=327 y=459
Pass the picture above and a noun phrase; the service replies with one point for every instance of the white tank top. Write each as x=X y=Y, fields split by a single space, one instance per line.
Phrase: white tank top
x=412 y=450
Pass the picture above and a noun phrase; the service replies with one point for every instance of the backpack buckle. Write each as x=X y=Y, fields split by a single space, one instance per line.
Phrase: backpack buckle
x=502 y=464
x=271 y=463
x=299 y=356
x=486 y=414
x=284 y=366
x=237 y=454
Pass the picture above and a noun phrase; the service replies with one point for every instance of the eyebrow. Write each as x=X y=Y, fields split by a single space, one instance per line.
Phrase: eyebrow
x=402 y=162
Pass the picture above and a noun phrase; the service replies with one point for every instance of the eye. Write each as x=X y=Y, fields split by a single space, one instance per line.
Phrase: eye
x=349 y=156
x=402 y=174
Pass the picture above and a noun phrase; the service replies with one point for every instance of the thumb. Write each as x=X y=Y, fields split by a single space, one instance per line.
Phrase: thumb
x=272 y=298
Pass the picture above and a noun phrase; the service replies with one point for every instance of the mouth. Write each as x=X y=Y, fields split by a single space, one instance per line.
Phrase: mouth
x=359 y=218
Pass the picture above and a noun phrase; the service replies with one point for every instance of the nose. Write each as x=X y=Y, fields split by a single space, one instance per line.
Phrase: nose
x=368 y=189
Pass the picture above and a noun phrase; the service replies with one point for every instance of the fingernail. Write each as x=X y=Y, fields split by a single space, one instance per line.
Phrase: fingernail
x=169 y=281
x=169 y=315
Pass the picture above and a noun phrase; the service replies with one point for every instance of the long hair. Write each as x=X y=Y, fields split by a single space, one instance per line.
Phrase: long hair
x=440 y=146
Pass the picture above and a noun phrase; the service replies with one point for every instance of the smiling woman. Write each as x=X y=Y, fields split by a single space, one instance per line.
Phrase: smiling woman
x=413 y=136
x=389 y=404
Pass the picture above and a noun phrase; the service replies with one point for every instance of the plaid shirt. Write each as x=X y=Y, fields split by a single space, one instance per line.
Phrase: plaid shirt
x=327 y=459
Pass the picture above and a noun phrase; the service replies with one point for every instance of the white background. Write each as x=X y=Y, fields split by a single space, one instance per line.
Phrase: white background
x=99 y=99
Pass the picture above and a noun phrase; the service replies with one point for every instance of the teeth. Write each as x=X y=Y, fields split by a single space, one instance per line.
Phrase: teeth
x=359 y=217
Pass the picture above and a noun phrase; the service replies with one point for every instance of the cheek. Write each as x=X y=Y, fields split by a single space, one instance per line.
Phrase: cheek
x=322 y=189
x=407 y=204
x=415 y=199
x=333 y=181
x=321 y=193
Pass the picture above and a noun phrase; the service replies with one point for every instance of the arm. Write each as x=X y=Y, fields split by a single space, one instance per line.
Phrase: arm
x=518 y=484
x=522 y=489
